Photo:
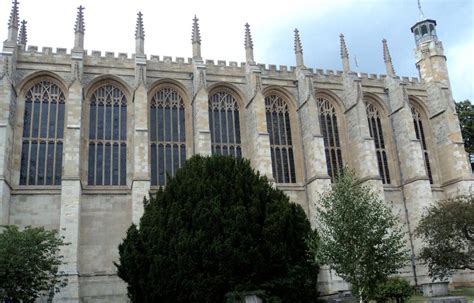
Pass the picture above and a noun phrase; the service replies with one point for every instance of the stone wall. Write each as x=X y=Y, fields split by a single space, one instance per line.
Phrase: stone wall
x=95 y=220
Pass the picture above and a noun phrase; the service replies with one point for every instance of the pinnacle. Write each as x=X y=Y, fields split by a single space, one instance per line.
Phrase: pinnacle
x=248 y=37
x=386 y=52
x=344 y=52
x=196 y=35
x=387 y=58
x=298 y=46
x=14 y=21
x=140 y=30
x=23 y=37
x=80 y=27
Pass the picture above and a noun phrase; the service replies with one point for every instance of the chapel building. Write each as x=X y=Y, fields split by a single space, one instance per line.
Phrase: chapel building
x=84 y=136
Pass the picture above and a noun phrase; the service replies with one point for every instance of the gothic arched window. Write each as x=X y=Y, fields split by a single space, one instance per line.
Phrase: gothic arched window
x=167 y=134
x=224 y=124
x=107 y=136
x=281 y=145
x=420 y=135
x=330 y=132
x=376 y=132
x=43 y=130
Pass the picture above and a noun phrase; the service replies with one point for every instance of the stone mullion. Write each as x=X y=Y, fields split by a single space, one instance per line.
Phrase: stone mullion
x=377 y=135
x=234 y=131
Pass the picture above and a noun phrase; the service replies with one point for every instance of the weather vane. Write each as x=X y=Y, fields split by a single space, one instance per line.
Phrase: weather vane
x=422 y=16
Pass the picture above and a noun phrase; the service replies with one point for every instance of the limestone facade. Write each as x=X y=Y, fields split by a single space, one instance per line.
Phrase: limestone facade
x=94 y=218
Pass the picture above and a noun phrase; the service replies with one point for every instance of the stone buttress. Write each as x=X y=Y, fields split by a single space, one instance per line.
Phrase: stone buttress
x=200 y=97
x=256 y=123
x=71 y=186
x=141 y=163
x=414 y=181
x=8 y=102
x=316 y=178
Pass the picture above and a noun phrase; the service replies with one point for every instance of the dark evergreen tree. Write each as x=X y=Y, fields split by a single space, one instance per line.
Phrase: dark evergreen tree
x=465 y=112
x=216 y=228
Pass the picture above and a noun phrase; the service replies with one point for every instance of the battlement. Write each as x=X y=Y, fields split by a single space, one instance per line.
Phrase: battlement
x=170 y=60
x=272 y=70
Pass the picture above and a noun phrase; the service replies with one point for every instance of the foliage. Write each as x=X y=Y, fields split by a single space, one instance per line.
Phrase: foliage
x=218 y=227
x=447 y=229
x=465 y=112
x=395 y=289
x=29 y=262
x=360 y=237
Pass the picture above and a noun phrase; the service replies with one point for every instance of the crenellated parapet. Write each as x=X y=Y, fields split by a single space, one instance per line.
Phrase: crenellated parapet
x=97 y=63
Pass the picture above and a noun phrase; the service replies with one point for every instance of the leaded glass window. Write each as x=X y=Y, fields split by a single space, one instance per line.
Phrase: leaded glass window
x=329 y=130
x=224 y=124
x=281 y=145
x=43 y=130
x=167 y=134
x=107 y=136
x=420 y=135
x=376 y=132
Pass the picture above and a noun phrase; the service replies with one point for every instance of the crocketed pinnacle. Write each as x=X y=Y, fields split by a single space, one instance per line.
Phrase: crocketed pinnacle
x=80 y=27
x=140 y=30
x=344 y=52
x=298 y=47
x=388 y=59
x=196 y=34
x=344 y=55
x=23 y=37
x=248 y=37
x=14 y=21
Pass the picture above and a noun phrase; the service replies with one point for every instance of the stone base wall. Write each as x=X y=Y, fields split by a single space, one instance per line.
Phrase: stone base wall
x=104 y=223
x=103 y=289
x=35 y=210
x=105 y=218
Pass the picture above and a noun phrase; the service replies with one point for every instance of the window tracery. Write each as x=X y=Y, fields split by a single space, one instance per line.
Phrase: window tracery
x=330 y=131
x=167 y=134
x=43 y=130
x=281 y=145
x=107 y=136
x=224 y=124
x=420 y=135
x=376 y=132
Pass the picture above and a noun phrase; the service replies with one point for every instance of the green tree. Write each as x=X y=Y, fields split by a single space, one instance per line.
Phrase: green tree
x=360 y=238
x=217 y=228
x=29 y=262
x=447 y=229
x=465 y=112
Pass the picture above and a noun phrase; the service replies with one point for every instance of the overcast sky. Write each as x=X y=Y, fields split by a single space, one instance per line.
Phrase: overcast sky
x=110 y=26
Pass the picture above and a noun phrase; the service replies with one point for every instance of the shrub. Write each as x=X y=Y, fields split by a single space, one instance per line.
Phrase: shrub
x=395 y=289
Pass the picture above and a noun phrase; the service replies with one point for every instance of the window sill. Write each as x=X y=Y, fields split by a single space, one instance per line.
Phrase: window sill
x=113 y=189
x=290 y=186
x=35 y=190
